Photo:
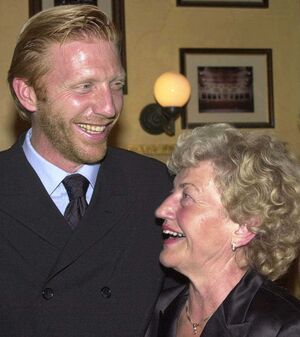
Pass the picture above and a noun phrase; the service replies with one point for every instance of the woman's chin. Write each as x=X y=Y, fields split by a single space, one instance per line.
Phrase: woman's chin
x=167 y=261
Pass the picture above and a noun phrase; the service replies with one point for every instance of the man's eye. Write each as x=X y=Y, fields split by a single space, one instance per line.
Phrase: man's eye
x=117 y=85
x=84 y=87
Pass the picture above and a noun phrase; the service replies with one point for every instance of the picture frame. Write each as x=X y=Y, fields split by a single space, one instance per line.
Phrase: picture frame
x=232 y=86
x=114 y=8
x=224 y=3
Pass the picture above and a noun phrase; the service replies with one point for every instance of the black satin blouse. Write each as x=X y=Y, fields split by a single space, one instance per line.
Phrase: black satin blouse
x=256 y=307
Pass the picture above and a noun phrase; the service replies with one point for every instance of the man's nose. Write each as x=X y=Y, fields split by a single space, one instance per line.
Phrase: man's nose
x=104 y=102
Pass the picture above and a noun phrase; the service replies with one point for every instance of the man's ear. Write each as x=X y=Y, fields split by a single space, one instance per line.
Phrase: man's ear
x=243 y=235
x=25 y=94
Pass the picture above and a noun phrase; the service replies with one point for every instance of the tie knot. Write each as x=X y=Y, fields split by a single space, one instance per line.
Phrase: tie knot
x=76 y=185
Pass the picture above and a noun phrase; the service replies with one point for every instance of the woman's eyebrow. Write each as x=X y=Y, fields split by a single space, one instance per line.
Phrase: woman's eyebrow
x=183 y=185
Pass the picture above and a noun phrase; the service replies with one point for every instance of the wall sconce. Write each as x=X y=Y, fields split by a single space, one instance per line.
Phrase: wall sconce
x=171 y=91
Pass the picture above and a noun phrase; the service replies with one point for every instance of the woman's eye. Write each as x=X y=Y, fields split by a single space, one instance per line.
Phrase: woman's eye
x=185 y=197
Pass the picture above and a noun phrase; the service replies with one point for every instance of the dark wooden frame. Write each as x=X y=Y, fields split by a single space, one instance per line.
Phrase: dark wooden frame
x=223 y=3
x=118 y=17
x=270 y=123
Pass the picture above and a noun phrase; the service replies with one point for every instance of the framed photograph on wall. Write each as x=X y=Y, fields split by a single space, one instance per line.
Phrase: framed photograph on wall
x=224 y=3
x=228 y=85
x=113 y=8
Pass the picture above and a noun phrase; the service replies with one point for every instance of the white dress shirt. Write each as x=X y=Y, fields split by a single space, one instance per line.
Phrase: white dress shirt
x=51 y=176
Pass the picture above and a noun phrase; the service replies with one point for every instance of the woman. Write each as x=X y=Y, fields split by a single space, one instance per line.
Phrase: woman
x=231 y=226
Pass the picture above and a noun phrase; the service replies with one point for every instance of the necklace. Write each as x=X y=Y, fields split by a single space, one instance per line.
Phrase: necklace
x=195 y=325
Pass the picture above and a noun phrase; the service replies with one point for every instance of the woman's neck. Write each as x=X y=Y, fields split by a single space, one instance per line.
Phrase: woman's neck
x=207 y=292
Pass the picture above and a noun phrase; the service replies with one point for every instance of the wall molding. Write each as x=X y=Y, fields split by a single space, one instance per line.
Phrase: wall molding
x=152 y=149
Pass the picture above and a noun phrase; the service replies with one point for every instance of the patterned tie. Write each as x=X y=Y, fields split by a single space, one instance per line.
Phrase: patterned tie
x=76 y=186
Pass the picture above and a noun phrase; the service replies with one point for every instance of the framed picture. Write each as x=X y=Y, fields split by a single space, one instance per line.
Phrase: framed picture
x=228 y=85
x=113 y=8
x=224 y=3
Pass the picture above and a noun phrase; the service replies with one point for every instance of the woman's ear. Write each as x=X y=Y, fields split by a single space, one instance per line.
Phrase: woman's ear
x=243 y=235
x=25 y=94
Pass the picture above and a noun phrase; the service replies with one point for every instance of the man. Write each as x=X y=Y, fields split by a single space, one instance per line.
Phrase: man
x=68 y=270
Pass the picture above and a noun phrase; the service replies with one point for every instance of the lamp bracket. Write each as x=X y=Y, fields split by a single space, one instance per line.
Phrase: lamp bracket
x=152 y=119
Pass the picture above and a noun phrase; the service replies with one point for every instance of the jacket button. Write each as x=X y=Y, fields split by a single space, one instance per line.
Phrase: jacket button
x=48 y=293
x=106 y=292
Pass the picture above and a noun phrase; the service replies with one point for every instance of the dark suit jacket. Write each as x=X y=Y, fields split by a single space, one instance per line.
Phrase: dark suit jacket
x=103 y=279
x=256 y=307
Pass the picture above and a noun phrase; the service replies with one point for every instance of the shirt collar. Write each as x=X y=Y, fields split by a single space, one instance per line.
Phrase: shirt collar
x=51 y=175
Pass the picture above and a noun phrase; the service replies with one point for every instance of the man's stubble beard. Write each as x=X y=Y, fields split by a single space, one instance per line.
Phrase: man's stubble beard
x=59 y=135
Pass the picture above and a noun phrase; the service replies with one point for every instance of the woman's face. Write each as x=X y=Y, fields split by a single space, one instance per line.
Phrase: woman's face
x=197 y=230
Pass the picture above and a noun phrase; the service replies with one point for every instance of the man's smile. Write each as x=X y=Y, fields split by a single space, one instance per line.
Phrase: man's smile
x=92 y=129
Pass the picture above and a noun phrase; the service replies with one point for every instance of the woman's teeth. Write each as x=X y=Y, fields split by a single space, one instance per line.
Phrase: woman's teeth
x=168 y=233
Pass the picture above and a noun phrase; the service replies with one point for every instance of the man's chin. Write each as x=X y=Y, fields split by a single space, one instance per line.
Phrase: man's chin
x=94 y=157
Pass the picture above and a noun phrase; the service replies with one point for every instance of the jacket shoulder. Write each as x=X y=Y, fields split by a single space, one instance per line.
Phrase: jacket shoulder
x=282 y=303
x=12 y=159
x=137 y=165
x=132 y=156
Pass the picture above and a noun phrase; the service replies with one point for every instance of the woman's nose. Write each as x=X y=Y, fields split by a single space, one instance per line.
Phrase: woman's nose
x=166 y=208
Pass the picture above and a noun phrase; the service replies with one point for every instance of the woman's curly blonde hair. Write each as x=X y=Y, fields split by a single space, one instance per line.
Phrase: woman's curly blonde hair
x=258 y=178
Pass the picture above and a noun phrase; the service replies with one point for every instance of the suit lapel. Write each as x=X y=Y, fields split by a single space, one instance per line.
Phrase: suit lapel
x=216 y=327
x=21 y=191
x=168 y=318
x=24 y=198
x=110 y=203
x=230 y=318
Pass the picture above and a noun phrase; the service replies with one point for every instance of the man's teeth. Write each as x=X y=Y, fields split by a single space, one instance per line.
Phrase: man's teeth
x=169 y=233
x=91 y=128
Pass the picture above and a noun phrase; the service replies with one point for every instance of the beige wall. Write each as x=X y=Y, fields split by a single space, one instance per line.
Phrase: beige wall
x=157 y=29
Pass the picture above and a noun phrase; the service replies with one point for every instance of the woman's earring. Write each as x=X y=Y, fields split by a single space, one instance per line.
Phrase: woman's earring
x=233 y=246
